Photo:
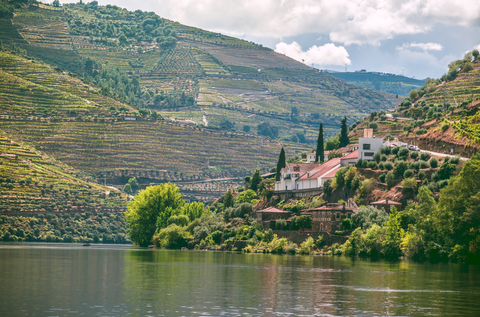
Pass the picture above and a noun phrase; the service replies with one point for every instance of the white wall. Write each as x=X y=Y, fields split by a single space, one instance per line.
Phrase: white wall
x=374 y=145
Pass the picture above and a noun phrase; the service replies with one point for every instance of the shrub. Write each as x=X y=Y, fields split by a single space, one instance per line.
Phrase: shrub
x=424 y=156
x=441 y=184
x=390 y=180
x=347 y=223
x=409 y=185
x=281 y=224
x=373 y=125
x=422 y=164
x=385 y=150
x=388 y=166
x=173 y=237
x=372 y=165
x=403 y=151
x=445 y=127
x=383 y=158
x=421 y=175
x=395 y=150
x=421 y=131
x=454 y=160
x=376 y=157
x=381 y=178
x=408 y=173
x=414 y=155
x=381 y=166
x=364 y=163
x=366 y=217
x=433 y=162
x=399 y=169
x=307 y=246
x=359 y=163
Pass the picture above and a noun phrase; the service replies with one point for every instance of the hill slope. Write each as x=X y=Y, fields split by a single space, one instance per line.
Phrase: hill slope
x=197 y=72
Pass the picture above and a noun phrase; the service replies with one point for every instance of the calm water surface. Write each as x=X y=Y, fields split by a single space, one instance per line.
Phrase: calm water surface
x=71 y=280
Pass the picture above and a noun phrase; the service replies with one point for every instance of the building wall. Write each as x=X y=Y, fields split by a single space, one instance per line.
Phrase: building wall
x=367 y=147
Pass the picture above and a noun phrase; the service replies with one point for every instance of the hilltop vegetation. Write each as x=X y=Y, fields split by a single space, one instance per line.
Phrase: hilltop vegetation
x=394 y=84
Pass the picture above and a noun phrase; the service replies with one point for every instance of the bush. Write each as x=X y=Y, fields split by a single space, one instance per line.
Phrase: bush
x=280 y=224
x=403 y=151
x=368 y=216
x=347 y=223
x=358 y=163
x=409 y=185
x=445 y=127
x=424 y=156
x=372 y=165
x=421 y=175
x=364 y=163
x=381 y=166
x=383 y=158
x=373 y=126
x=414 y=155
x=390 y=180
x=395 y=150
x=399 y=169
x=377 y=156
x=172 y=237
x=408 y=173
x=385 y=150
x=381 y=178
x=388 y=166
x=421 y=131
x=454 y=160
x=433 y=162
x=422 y=164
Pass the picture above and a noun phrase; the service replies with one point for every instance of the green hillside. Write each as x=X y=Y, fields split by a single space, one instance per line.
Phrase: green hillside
x=440 y=116
x=149 y=62
x=390 y=83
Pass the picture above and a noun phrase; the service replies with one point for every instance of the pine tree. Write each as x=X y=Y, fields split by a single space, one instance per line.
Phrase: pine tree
x=281 y=164
x=344 y=141
x=319 y=154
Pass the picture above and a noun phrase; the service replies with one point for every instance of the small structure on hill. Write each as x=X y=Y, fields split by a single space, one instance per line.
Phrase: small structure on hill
x=368 y=145
x=271 y=213
x=386 y=204
x=328 y=218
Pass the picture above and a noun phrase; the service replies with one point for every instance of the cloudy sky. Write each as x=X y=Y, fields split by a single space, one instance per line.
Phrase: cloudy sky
x=418 y=37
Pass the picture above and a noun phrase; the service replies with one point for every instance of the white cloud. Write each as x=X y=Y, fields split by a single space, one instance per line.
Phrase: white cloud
x=328 y=54
x=345 y=21
x=423 y=46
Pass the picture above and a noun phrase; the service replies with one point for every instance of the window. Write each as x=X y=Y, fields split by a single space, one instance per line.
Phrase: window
x=338 y=215
x=368 y=154
x=366 y=146
x=297 y=168
x=349 y=215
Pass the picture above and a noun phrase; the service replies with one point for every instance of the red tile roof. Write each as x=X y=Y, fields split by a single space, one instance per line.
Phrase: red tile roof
x=322 y=169
x=331 y=174
x=273 y=210
x=385 y=202
x=353 y=155
x=303 y=167
x=332 y=207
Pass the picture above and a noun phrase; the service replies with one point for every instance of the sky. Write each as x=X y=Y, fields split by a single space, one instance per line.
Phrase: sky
x=417 y=38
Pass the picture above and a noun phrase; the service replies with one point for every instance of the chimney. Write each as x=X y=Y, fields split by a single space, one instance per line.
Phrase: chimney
x=386 y=201
x=343 y=206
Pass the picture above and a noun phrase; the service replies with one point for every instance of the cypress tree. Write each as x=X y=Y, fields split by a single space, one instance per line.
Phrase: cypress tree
x=344 y=141
x=281 y=164
x=319 y=155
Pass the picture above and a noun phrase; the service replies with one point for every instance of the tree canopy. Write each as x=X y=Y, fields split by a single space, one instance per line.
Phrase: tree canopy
x=150 y=209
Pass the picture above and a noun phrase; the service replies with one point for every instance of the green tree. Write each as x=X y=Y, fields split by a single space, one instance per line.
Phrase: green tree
x=228 y=199
x=393 y=236
x=193 y=210
x=127 y=189
x=319 y=154
x=133 y=183
x=150 y=210
x=304 y=222
x=255 y=180
x=246 y=196
x=344 y=141
x=280 y=164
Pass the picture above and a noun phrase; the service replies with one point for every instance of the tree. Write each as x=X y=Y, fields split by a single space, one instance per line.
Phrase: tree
x=228 y=200
x=304 y=222
x=319 y=154
x=56 y=3
x=246 y=196
x=255 y=180
x=193 y=210
x=393 y=236
x=133 y=183
x=344 y=141
x=368 y=216
x=127 y=189
x=150 y=210
x=280 y=164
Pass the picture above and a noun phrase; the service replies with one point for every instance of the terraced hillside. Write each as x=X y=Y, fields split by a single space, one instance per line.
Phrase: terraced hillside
x=73 y=122
x=441 y=116
x=32 y=182
x=190 y=70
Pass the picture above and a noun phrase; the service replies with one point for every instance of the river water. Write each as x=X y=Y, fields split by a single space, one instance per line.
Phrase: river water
x=71 y=280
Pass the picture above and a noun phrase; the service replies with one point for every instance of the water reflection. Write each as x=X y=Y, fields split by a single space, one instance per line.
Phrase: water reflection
x=64 y=280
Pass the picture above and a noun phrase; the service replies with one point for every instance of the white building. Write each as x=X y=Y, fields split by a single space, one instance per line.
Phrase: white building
x=368 y=145
x=307 y=176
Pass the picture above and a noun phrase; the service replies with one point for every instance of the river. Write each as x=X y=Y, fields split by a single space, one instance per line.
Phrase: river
x=110 y=280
